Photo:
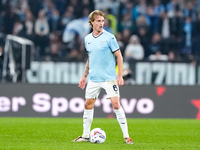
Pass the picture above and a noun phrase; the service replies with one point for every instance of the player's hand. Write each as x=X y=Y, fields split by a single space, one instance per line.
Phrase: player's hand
x=120 y=81
x=82 y=83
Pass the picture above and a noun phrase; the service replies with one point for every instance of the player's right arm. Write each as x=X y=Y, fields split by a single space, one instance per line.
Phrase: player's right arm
x=84 y=76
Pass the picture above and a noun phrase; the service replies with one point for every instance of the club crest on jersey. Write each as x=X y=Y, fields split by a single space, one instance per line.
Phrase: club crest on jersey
x=101 y=42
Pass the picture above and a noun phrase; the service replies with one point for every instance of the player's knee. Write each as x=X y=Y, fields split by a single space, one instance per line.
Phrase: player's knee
x=88 y=106
x=116 y=105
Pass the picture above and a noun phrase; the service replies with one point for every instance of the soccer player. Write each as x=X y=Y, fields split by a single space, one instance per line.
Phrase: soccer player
x=102 y=49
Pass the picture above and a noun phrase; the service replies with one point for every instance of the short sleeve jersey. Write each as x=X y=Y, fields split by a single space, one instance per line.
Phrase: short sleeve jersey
x=101 y=51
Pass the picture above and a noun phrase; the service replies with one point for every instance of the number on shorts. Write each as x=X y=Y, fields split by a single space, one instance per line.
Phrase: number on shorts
x=115 y=87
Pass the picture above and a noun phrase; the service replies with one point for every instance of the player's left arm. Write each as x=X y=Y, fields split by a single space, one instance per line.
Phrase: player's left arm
x=120 y=80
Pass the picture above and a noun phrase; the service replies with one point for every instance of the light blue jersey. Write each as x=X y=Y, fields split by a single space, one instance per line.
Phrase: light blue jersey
x=101 y=56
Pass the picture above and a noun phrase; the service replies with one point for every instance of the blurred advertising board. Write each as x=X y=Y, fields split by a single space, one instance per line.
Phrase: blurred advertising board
x=67 y=100
x=143 y=73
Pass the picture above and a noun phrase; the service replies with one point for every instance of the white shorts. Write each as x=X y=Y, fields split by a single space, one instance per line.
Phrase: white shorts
x=94 y=88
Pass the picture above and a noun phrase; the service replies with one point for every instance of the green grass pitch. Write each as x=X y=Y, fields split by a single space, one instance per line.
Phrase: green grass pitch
x=57 y=134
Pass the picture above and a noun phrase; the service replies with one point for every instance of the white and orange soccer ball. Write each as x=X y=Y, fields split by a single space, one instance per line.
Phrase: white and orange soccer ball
x=97 y=135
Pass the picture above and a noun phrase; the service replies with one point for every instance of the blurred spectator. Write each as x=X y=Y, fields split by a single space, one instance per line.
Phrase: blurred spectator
x=52 y=14
x=120 y=42
x=28 y=26
x=191 y=11
x=144 y=36
x=134 y=50
x=155 y=12
x=77 y=8
x=112 y=19
x=165 y=28
x=107 y=26
x=158 y=56
x=176 y=23
x=60 y=5
x=1 y=61
x=47 y=6
x=88 y=4
x=76 y=26
x=126 y=23
x=126 y=34
x=10 y=18
x=170 y=7
x=141 y=22
x=42 y=33
x=128 y=8
x=1 y=6
x=158 y=8
x=150 y=15
x=54 y=19
x=67 y=17
x=35 y=6
x=113 y=5
x=2 y=13
x=140 y=9
x=172 y=56
x=17 y=28
x=197 y=40
x=22 y=8
x=155 y=44
x=187 y=41
x=55 y=53
x=76 y=52
x=167 y=42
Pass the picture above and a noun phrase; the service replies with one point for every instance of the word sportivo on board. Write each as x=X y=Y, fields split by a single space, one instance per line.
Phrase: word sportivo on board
x=43 y=102
x=67 y=100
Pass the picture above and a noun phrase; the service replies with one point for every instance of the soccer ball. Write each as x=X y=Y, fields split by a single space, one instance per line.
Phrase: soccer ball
x=97 y=135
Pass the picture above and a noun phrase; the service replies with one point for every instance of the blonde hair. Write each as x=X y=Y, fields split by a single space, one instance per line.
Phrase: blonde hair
x=93 y=14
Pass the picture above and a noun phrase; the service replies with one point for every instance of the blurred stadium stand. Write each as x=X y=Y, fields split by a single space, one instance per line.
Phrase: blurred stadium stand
x=151 y=34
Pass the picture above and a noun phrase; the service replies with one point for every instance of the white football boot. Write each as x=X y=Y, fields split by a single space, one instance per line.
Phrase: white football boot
x=81 y=139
